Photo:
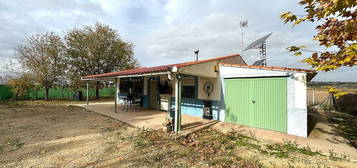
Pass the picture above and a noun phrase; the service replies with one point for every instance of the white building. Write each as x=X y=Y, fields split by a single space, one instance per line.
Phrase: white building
x=222 y=88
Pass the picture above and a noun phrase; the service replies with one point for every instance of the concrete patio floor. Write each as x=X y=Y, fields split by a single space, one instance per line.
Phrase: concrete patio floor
x=322 y=138
x=147 y=118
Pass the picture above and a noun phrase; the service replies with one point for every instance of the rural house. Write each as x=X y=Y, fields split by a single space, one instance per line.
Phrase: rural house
x=224 y=89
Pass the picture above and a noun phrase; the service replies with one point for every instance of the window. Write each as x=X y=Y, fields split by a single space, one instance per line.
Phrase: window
x=188 y=88
x=188 y=92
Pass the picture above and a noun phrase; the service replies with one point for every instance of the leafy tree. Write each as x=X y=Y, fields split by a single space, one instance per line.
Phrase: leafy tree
x=21 y=84
x=336 y=30
x=94 y=50
x=42 y=56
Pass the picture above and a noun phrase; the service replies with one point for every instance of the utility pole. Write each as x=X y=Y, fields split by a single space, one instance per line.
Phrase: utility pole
x=243 y=24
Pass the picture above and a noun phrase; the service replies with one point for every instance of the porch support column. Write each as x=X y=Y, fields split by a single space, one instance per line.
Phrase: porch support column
x=117 y=90
x=116 y=95
x=178 y=103
x=87 y=93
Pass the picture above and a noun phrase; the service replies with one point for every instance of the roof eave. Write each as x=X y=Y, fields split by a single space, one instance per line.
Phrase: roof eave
x=269 y=68
x=128 y=76
x=164 y=68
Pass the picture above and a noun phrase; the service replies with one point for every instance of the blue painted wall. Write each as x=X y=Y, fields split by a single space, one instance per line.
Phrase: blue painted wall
x=194 y=107
x=145 y=101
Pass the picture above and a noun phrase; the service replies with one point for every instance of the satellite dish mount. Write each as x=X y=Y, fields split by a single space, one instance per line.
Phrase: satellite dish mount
x=261 y=45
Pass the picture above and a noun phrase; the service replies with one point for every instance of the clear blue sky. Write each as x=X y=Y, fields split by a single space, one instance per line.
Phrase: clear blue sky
x=168 y=31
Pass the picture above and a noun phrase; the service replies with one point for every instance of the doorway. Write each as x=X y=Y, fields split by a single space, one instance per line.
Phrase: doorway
x=153 y=96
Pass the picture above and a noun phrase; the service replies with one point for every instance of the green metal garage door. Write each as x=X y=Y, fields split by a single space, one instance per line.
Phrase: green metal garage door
x=257 y=102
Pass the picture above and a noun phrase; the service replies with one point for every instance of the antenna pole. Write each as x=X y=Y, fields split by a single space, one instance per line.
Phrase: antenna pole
x=242 y=41
x=263 y=53
x=243 y=24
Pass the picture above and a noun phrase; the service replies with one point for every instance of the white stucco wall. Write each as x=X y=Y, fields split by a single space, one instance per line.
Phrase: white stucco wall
x=296 y=97
x=117 y=91
x=297 y=105
x=216 y=93
x=204 y=69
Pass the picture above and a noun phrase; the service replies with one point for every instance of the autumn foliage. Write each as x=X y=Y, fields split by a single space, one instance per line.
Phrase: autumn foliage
x=336 y=32
x=21 y=85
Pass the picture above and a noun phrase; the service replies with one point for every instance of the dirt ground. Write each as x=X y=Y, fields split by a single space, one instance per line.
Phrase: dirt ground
x=68 y=136
x=60 y=136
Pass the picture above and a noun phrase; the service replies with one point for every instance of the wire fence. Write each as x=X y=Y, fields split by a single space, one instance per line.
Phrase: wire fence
x=327 y=101
x=55 y=93
x=315 y=97
x=5 y=92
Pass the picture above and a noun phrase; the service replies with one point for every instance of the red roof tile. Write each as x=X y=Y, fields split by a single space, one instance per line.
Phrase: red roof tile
x=162 y=68
x=269 y=67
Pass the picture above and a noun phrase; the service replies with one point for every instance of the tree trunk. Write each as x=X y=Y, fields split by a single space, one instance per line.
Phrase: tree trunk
x=97 y=90
x=47 y=92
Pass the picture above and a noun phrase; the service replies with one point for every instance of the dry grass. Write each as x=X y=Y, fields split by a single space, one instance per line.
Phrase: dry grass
x=68 y=136
x=62 y=136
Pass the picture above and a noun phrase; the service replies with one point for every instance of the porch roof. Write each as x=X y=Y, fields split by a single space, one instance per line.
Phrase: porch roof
x=155 y=69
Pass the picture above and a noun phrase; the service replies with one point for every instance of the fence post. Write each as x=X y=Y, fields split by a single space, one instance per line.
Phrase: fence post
x=115 y=95
x=313 y=97
x=87 y=93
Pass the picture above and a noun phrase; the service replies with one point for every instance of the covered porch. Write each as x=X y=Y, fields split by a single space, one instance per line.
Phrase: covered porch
x=176 y=89
x=145 y=94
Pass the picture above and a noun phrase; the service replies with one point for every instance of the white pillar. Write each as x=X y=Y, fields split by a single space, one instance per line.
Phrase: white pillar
x=177 y=103
x=87 y=93
x=117 y=90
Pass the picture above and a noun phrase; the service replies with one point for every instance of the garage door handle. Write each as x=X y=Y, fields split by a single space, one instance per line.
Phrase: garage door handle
x=253 y=101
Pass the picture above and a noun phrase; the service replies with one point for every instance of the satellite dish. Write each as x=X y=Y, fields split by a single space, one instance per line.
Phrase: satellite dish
x=256 y=43
x=208 y=88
